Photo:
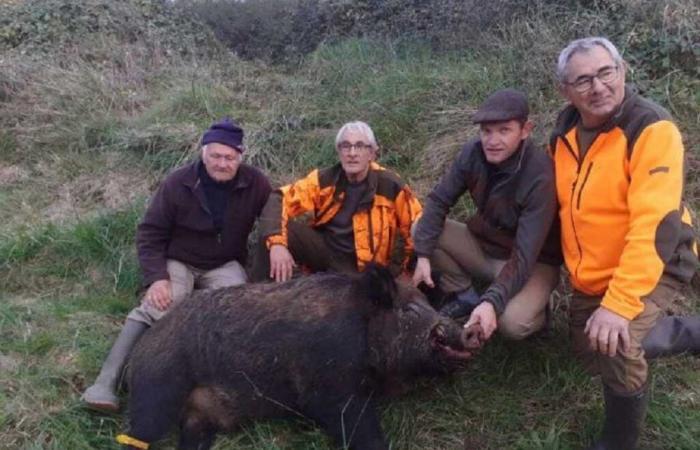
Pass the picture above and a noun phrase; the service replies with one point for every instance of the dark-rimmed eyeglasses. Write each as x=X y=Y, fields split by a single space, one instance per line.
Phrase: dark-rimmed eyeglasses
x=346 y=147
x=606 y=75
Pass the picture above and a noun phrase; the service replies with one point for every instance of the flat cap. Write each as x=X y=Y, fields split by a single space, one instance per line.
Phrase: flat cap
x=502 y=105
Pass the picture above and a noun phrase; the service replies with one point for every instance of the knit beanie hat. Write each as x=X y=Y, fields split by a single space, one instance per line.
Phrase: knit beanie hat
x=226 y=132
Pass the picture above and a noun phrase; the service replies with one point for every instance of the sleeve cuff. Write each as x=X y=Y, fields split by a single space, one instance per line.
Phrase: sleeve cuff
x=275 y=240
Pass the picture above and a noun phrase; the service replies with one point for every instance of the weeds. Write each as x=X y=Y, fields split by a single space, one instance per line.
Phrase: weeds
x=87 y=131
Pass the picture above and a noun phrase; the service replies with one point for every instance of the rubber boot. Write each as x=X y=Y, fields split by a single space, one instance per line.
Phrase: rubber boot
x=673 y=335
x=461 y=304
x=624 y=418
x=102 y=395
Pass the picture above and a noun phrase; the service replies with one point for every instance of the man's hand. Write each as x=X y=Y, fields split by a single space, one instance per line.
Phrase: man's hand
x=605 y=329
x=485 y=316
x=422 y=272
x=281 y=263
x=159 y=295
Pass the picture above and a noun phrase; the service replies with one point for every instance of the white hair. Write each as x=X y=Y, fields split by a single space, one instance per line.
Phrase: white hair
x=584 y=45
x=359 y=127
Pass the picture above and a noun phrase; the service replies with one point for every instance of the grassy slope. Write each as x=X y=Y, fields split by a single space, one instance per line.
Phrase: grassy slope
x=67 y=264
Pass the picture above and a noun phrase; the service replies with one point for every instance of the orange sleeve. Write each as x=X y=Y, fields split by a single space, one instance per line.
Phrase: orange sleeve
x=288 y=202
x=408 y=210
x=654 y=199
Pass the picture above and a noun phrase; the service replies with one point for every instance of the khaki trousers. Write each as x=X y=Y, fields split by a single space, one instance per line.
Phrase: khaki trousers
x=184 y=278
x=459 y=257
x=627 y=371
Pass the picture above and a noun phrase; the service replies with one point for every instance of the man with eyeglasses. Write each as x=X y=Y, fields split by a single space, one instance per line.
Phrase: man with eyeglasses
x=356 y=207
x=194 y=235
x=627 y=237
x=511 y=242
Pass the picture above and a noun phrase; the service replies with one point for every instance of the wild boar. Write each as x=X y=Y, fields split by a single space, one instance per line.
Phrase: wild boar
x=319 y=347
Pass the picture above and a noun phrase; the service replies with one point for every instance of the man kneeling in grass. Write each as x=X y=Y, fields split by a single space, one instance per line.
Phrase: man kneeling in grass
x=194 y=234
x=357 y=208
x=510 y=243
x=627 y=235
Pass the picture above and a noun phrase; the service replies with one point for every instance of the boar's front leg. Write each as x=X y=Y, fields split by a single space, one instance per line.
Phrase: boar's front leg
x=352 y=423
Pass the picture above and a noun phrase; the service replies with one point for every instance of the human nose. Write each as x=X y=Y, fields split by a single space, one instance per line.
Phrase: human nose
x=596 y=84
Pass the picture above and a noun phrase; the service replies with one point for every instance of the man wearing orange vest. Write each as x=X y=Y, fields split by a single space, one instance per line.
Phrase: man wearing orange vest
x=356 y=210
x=626 y=234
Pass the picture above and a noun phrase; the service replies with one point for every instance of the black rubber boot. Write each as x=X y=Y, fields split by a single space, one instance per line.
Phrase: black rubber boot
x=624 y=418
x=673 y=335
x=461 y=304
x=102 y=395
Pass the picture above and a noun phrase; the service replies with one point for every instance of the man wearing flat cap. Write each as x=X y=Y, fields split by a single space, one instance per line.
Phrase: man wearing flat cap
x=194 y=235
x=511 y=242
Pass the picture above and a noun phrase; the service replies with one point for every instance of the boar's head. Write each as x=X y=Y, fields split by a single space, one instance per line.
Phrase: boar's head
x=406 y=336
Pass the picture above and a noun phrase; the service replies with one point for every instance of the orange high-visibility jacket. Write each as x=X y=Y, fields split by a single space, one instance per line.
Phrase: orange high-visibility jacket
x=623 y=221
x=390 y=207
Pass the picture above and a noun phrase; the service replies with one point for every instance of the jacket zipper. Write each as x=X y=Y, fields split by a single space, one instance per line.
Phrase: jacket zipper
x=571 y=209
x=207 y=210
x=585 y=178
x=371 y=233
x=505 y=180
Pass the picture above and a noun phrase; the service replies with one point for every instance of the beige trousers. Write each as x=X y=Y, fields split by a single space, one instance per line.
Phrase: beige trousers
x=627 y=371
x=459 y=257
x=183 y=280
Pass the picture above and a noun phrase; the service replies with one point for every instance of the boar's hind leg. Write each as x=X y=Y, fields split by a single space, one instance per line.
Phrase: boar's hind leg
x=155 y=405
x=353 y=424
x=207 y=410
x=196 y=431
x=199 y=438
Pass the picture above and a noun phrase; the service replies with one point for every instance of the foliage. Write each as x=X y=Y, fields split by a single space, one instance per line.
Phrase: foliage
x=43 y=25
x=658 y=34
x=98 y=99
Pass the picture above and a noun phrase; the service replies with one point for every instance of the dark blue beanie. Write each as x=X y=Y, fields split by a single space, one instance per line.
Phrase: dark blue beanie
x=225 y=132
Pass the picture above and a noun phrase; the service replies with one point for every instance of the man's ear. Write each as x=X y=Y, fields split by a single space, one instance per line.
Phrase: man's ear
x=561 y=87
x=528 y=126
x=624 y=67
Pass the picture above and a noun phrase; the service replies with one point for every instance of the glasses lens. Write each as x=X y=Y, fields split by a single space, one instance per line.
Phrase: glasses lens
x=347 y=146
x=607 y=74
x=583 y=85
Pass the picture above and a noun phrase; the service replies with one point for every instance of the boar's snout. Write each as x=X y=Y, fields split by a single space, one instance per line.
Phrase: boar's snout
x=454 y=342
x=473 y=337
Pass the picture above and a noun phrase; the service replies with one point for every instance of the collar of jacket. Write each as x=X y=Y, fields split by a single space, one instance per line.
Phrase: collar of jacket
x=341 y=182
x=570 y=116
x=514 y=161
x=191 y=179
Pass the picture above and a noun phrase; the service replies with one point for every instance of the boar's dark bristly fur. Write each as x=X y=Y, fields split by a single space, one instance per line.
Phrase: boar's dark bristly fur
x=315 y=347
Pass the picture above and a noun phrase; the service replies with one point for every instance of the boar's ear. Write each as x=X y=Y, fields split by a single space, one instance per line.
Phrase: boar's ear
x=379 y=285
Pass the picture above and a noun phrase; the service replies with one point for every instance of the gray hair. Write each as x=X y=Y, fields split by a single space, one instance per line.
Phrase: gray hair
x=584 y=45
x=359 y=127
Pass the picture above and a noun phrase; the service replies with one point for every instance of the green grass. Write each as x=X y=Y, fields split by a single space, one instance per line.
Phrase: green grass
x=86 y=133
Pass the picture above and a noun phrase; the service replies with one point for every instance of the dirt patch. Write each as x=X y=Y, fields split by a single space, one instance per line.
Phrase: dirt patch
x=8 y=363
x=86 y=194
x=12 y=174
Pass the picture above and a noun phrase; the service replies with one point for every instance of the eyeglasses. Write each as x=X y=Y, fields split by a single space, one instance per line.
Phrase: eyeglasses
x=606 y=75
x=345 y=146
